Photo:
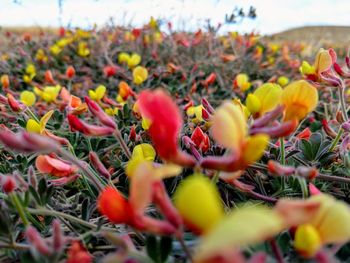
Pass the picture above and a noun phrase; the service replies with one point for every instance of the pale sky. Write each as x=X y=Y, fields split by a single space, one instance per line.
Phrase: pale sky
x=272 y=15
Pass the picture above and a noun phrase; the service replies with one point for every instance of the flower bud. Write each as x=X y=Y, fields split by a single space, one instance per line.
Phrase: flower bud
x=5 y=81
x=70 y=72
x=8 y=184
x=98 y=165
x=37 y=241
x=90 y=130
x=102 y=116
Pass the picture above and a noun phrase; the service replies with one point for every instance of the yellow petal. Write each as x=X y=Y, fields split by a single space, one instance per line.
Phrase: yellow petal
x=134 y=60
x=198 y=201
x=307 y=69
x=100 y=92
x=92 y=94
x=140 y=74
x=332 y=220
x=146 y=123
x=38 y=91
x=45 y=119
x=307 y=240
x=323 y=61
x=244 y=226
x=123 y=57
x=229 y=126
x=253 y=103
x=144 y=151
x=282 y=81
x=27 y=98
x=33 y=126
x=254 y=148
x=269 y=95
x=299 y=98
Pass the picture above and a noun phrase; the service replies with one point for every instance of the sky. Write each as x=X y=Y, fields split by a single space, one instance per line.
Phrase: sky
x=272 y=15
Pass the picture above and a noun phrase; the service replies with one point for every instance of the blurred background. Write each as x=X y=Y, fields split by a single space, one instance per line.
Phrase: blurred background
x=272 y=16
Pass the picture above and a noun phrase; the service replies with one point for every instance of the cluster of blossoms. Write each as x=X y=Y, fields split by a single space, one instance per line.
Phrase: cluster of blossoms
x=240 y=144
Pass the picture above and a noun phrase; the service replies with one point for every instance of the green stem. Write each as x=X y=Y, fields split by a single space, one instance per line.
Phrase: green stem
x=282 y=151
x=15 y=246
x=19 y=208
x=342 y=101
x=283 y=160
x=69 y=157
x=43 y=211
x=117 y=134
x=336 y=140
x=32 y=115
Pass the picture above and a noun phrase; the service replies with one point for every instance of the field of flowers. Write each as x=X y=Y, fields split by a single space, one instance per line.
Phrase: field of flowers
x=142 y=145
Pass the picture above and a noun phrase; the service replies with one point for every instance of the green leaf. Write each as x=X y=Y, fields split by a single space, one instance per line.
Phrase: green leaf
x=165 y=247
x=152 y=248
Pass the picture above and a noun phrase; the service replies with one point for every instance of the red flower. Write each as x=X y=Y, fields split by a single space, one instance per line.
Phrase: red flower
x=70 y=72
x=78 y=254
x=13 y=103
x=166 y=122
x=8 y=184
x=200 y=139
x=114 y=206
x=136 y=32
x=91 y=130
x=210 y=79
x=305 y=134
x=109 y=71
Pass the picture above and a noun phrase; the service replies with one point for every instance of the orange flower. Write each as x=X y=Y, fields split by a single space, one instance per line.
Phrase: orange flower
x=54 y=166
x=114 y=206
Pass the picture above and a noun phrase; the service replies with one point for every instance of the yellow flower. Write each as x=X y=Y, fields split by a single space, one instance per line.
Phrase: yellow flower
x=111 y=111
x=243 y=227
x=140 y=74
x=283 y=81
x=264 y=99
x=195 y=113
x=307 y=240
x=242 y=82
x=158 y=37
x=38 y=127
x=229 y=128
x=40 y=55
x=134 y=60
x=83 y=49
x=49 y=93
x=30 y=73
x=242 y=106
x=55 y=49
x=254 y=147
x=98 y=93
x=329 y=225
x=153 y=23
x=31 y=70
x=322 y=63
x=299 y=98
x=142 y=152
x=253 y=103
x=80 y=33
x=123 y=57
x=27 y=98
x=199 y=203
